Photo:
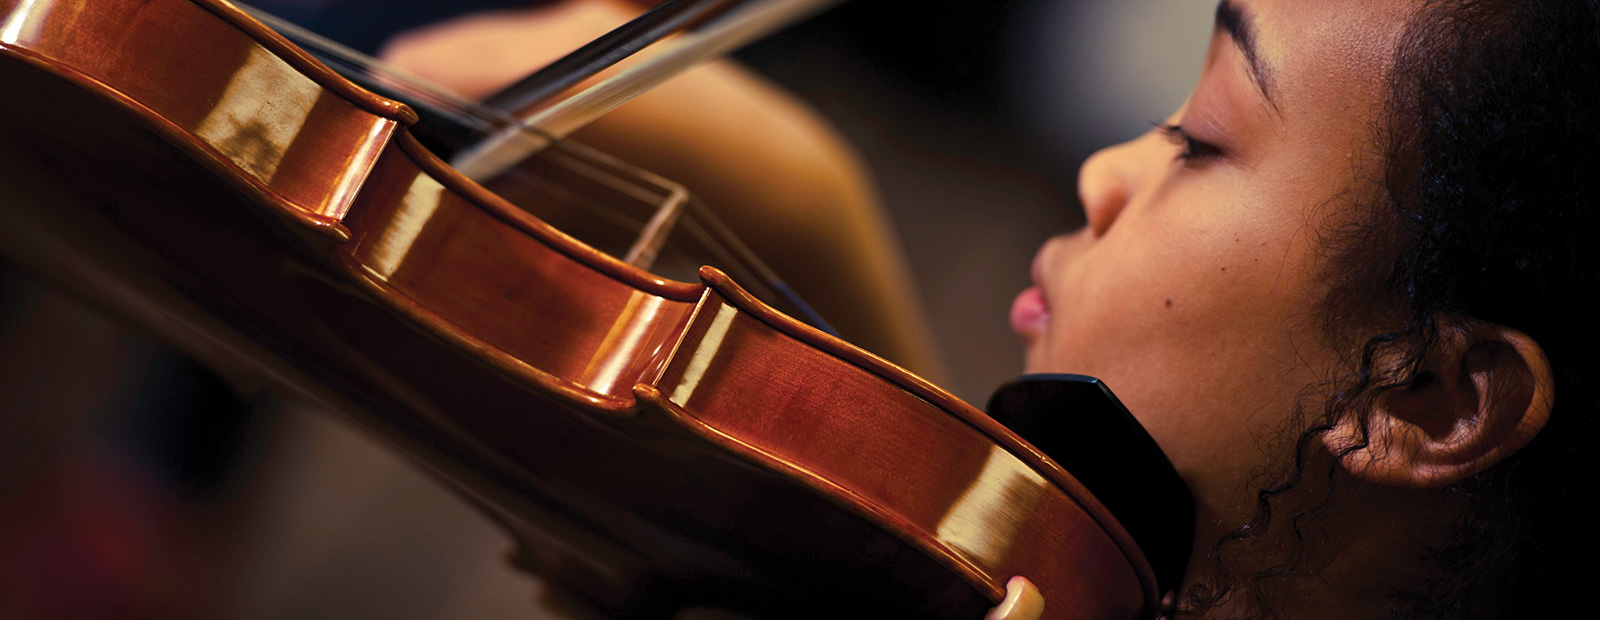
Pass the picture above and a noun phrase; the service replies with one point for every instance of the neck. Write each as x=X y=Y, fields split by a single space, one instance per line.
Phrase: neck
x=1346 y=559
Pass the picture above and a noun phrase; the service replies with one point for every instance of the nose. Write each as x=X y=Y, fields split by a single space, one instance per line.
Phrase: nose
x=1105 y=184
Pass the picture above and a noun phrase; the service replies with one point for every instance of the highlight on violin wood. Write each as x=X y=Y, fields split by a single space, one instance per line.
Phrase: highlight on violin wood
x=654 y=444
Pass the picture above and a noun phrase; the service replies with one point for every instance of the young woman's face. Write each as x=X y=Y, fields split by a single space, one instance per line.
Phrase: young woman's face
x=1194 y=289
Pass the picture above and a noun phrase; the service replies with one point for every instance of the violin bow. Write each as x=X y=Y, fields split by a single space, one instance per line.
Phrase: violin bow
x=748 y=22
x=600 y=54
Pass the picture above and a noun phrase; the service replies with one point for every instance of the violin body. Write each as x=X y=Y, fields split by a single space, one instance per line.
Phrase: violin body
x=653 y=444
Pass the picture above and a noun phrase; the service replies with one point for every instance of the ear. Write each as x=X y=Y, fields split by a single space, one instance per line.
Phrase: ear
x=1489 y=393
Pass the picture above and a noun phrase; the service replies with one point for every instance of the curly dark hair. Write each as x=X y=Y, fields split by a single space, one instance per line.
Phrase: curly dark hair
x=1486 y=209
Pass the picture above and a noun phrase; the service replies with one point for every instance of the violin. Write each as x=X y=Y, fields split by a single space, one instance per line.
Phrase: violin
x=653 y=444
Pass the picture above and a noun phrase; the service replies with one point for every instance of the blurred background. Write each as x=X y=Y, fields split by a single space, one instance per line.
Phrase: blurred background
x=136 y=484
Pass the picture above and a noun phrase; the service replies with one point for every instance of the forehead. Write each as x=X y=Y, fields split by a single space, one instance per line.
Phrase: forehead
x=1328 y=53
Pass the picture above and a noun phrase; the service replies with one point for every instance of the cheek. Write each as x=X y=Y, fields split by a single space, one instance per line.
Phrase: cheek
x=1196 y=283
x=1199 y=324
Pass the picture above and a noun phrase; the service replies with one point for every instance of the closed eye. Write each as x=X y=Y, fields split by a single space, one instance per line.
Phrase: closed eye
x=1191 y=151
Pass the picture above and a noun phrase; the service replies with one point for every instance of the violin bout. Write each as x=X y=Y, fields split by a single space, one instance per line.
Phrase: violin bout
x=654 y=444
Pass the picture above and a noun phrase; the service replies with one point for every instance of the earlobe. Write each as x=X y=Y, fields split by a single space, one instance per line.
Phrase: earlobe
x=1487 y=391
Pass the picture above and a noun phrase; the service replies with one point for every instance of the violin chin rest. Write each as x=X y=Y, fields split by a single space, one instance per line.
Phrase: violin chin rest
x=1077 y=422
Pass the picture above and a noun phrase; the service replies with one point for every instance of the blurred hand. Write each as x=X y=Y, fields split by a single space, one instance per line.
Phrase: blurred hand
x=478 y=54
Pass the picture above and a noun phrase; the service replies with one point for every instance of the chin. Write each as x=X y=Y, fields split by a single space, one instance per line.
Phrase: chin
x=1032 y=359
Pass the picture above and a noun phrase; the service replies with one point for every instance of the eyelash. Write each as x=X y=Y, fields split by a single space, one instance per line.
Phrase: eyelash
x=1193 y=151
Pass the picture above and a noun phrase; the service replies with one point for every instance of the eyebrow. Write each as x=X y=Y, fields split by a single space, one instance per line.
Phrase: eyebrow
x=1237 y=23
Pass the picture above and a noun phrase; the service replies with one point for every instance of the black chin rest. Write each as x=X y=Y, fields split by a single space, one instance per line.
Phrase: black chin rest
x=1080 y=424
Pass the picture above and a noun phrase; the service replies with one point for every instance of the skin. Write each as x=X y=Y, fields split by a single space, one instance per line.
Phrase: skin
x=1194 y=289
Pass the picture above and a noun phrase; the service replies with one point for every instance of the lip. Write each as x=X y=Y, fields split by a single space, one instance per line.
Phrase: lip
x=1030 y=311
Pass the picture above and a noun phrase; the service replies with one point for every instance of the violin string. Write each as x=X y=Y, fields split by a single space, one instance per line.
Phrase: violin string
x=446 y=106
x=600 y=54
x=499 y=152
x=438 y=99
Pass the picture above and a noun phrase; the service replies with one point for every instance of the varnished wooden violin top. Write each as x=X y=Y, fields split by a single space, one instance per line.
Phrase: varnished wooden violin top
x=655 y=444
